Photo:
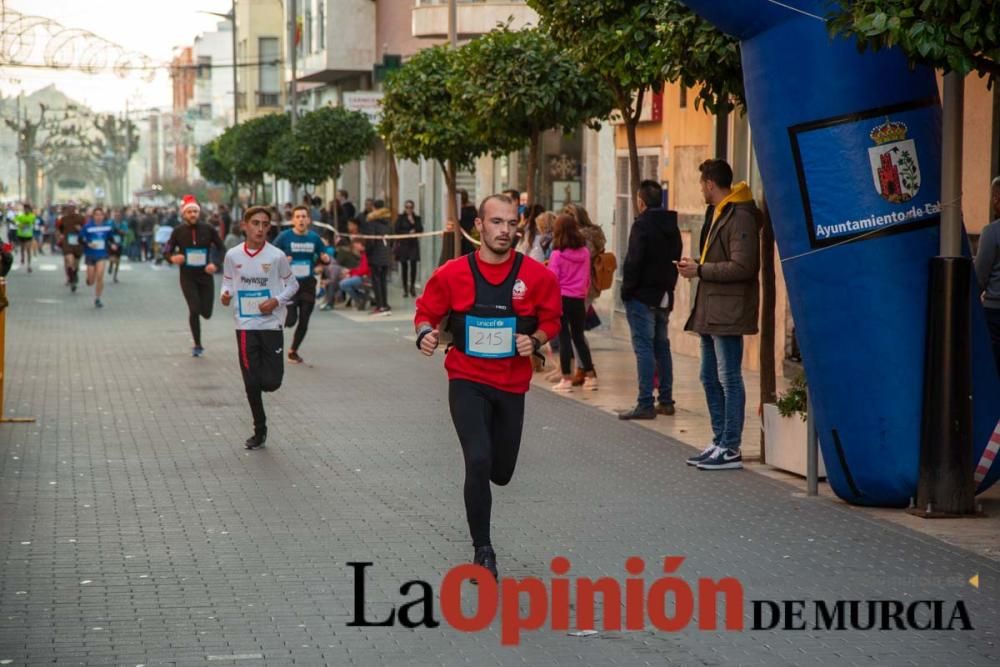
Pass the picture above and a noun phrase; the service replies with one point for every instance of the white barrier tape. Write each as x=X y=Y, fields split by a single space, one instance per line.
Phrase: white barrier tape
x=989 y=456
x=387 y=237
x=370 y=237
x=470 y=239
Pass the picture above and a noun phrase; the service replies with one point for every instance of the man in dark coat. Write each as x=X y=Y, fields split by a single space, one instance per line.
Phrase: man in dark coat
x=378 y=223
x=649 y=276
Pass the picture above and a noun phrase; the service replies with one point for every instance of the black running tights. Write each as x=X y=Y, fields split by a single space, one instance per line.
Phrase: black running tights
x=299 y=313
x=199 y=292
x=489 y=423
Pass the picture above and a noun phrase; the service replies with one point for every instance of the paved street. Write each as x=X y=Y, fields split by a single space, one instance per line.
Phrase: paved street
x=135 y=530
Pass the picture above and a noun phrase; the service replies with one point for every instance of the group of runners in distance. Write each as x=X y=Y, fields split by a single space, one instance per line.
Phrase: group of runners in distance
x=94 y=238
x=498 y=306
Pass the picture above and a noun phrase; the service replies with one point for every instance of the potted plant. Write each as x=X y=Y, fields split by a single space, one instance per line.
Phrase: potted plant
x=785 y=432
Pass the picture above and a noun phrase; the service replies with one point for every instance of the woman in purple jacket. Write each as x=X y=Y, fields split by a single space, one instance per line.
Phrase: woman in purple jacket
x=570 y=261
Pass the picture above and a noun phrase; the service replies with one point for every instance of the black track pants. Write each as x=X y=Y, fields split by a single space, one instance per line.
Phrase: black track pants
x=199 y=292
x=409 y=273
x=380 y=285
x=300 y=311
x=489 y=423
x=263 y=367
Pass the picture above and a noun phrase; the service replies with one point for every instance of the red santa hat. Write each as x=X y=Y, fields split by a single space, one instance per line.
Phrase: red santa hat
x=189 y=202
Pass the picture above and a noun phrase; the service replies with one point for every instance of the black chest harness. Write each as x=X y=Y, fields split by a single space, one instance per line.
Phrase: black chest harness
x=491 y=303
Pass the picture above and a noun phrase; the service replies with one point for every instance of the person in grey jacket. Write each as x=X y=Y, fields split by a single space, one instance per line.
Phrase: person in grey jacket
x=725 y=307
x=988 y=270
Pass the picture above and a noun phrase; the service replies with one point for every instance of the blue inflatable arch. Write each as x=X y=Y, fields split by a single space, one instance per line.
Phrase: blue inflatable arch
x=849 y=149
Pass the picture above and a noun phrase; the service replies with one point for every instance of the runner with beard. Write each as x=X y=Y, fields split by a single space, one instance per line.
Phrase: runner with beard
x=190 y=248
x=502 y=307
x=68 y=228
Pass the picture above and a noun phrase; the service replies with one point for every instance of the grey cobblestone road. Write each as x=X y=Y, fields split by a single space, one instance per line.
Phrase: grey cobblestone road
x=135 y=530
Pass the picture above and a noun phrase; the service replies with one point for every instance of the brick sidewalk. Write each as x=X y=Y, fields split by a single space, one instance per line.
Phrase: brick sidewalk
x=134 y=529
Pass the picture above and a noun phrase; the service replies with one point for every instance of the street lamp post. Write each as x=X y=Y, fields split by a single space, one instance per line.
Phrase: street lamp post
x=946 y=486
x=294 y=48
x=453 y=40
x=20 y=148
x=236 y=83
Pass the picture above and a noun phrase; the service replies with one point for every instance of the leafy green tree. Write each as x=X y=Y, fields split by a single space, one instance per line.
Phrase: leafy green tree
x=211 y=167
x=243 y=149
x=953 y=35
x=323 y=141
x=515 y=85
x=422 y=119
x=635 y=45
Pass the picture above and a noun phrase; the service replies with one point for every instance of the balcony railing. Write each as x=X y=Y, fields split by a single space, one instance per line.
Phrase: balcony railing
x=474 y=17
x=427 y=3
x=268 y=99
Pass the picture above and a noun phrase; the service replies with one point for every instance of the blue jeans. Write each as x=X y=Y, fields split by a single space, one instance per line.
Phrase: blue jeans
x=652 y=351
x=722 y=378
x=352 y=287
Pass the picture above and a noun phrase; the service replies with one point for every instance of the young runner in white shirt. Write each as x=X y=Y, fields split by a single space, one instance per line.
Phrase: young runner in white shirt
x=258 y=281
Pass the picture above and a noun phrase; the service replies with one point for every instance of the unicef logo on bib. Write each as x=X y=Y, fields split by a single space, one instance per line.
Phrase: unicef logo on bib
x=490 y=337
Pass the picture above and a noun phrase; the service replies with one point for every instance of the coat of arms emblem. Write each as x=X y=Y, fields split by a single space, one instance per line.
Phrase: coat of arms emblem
x=893 y=158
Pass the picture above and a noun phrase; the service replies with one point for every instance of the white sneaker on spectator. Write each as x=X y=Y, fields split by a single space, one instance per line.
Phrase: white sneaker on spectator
x=563 y=385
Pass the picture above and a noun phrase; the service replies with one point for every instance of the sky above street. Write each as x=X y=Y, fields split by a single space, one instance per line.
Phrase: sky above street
x=149 y=27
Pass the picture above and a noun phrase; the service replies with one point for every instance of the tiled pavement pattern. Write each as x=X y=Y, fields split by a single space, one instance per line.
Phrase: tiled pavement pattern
x=134 y=529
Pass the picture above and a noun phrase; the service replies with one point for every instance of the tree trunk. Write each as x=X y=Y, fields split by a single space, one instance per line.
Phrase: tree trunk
x=633 y=157
x=631 y=117
x=393 y=186
x=31 y=180
x=768 y=375
x=451 y=244
x=532 y=167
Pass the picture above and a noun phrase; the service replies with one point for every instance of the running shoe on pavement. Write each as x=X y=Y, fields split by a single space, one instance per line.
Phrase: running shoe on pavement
x=485 y=557
x=256 y=440
x=294 y=358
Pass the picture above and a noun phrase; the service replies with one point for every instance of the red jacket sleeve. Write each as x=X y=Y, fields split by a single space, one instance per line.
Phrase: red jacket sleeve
x=435 y=302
